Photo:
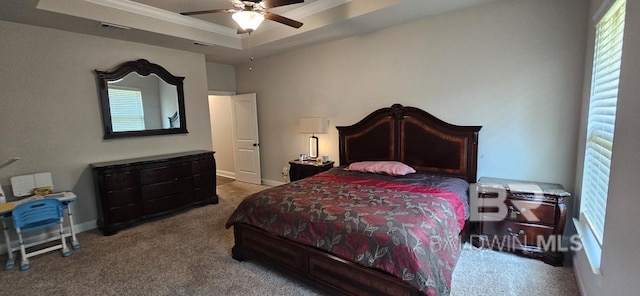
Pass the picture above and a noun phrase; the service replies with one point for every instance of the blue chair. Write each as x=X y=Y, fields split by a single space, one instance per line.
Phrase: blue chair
x=35 y=215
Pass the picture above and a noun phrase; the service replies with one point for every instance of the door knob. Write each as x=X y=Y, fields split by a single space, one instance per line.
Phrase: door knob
x=256 y=144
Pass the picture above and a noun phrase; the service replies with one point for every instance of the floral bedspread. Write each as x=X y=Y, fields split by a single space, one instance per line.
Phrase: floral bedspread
x=405 y=230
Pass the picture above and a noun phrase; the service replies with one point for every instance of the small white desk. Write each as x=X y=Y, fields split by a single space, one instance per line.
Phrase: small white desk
x=6 y=209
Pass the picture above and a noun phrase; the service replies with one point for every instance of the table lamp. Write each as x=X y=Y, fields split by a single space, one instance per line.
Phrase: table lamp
x=313 y=126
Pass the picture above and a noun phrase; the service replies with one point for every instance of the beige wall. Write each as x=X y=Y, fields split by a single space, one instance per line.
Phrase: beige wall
x=50 y=112
x=620 y=263
x=514 y=67
x=221 y=77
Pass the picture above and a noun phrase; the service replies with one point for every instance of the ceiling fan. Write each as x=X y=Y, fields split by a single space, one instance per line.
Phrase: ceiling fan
x=250 y=14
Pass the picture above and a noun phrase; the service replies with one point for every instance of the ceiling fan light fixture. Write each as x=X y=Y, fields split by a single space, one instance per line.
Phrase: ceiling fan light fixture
x=248 y=20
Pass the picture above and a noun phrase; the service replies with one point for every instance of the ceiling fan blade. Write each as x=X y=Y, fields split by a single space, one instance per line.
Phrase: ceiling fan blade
x=275 y=3
x=207 y=11
x=283 y=20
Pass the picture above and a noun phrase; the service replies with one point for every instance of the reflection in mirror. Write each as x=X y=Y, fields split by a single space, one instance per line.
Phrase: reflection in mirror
x=139 y=99
x=139 y=103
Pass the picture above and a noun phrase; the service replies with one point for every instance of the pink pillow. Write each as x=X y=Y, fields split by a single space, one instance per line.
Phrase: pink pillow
x=393 y=168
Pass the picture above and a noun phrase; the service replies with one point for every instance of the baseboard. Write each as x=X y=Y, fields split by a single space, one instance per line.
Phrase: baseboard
x=232 y=175
x=226 y=174
x=578 y=276
x=86 y=226
x=82 y=227
x=272 y=182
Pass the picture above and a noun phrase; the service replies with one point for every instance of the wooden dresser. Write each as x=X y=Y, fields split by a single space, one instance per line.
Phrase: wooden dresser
x=531 y=223
x=304 y=169
x=130 y=191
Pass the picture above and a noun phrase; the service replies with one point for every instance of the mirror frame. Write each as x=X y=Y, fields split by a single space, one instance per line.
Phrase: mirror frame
x=143 y=68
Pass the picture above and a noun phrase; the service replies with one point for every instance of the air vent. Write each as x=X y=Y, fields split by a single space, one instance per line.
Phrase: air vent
x=113 y=26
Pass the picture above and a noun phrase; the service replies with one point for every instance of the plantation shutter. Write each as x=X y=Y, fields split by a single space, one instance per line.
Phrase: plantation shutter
x=602 y=115
x=126 y=109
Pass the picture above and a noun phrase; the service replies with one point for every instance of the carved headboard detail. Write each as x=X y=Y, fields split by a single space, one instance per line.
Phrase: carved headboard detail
x=414 y=137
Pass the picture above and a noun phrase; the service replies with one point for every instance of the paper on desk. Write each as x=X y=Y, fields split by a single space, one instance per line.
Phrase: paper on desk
x=24 y=185
x=43 y=180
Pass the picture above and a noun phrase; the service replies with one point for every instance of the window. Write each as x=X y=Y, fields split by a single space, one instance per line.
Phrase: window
x=126 y=109
x=600 y=129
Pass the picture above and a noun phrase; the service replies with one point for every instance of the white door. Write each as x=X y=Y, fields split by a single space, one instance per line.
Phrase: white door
x=246 y=145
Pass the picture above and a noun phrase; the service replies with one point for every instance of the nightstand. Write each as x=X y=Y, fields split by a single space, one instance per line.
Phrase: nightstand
x=531 y=222
x=303 y=169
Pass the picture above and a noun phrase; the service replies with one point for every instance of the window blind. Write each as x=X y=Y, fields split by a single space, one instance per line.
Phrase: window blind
x=126 y=109
x=602 y=115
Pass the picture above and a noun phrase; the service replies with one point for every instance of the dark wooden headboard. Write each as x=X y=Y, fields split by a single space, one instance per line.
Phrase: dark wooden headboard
x=414 y=137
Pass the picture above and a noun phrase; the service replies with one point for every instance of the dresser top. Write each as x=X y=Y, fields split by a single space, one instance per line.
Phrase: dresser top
x=147 y=159
x=312 y=162
x=525 y=187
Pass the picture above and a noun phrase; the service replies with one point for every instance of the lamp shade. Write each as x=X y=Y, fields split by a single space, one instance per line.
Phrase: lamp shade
x=248 y=20
x=313 y=125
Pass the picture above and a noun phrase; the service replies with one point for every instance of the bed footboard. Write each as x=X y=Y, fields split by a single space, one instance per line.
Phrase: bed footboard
x=330 y=272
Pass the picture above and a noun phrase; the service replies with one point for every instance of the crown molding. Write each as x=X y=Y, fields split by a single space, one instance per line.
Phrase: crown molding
x=161 y=14
x=305 y=11
x=314 y=8
x=176 y=18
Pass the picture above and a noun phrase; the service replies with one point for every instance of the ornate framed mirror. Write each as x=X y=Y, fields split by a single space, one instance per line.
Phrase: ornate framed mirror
x=139 y=98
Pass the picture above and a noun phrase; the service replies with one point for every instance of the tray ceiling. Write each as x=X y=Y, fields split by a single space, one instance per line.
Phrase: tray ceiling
x=158 y=22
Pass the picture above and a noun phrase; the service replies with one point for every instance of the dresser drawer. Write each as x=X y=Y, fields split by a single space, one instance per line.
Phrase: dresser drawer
x=204 y=193
x=530 y=211
x=522 y=211
x=204 y=180
x=205 y=165
x=123 y=197
x=120 y=180
x=167 y=203
x=159 y=190
x=524 y=233
x=123 y=214
x=165 y=173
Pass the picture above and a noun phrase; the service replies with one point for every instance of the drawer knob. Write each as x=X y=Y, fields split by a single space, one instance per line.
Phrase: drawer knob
x=513 y=212
x=521 y=232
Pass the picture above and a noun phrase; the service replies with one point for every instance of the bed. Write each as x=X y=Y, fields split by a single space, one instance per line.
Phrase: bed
x=358 y=233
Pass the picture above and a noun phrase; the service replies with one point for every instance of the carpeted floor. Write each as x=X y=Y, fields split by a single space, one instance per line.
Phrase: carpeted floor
x=223 y=180
x=189 y=254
